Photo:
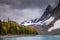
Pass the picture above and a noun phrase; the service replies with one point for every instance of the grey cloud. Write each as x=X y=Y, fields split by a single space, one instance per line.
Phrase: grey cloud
x=29 y=3
x=18 y=14
x=20 y=10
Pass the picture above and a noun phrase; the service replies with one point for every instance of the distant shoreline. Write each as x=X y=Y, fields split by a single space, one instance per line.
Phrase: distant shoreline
x=10 y=36
x=14 y=36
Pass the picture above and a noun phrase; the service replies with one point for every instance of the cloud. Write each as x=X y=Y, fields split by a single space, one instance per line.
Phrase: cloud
x=20 y=10
x=29 y=3
x=18 y=14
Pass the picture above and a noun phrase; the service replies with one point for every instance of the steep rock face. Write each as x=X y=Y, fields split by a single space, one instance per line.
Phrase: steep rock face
x=47 y=14
x=54 y=13
x=57 y=17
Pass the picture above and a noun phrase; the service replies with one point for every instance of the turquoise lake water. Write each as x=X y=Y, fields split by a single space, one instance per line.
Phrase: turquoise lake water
x=38 y=37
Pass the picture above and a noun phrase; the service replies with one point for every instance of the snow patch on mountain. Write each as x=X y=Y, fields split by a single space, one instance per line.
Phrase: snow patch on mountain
x=49 y=20
x=45 y=19
x=30 y=23
x=56 y=26
x=40 y=22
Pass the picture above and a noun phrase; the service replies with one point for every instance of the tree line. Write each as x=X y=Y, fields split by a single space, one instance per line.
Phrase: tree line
x=12 y=28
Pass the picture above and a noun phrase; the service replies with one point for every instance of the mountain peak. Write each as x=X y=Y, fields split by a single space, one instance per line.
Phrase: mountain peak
x=46 y=15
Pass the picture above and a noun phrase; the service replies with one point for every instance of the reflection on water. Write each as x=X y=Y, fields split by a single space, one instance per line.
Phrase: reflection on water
x=7 y=38
x=34 y=38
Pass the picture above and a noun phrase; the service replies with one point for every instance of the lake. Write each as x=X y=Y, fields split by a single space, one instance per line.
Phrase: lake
x=38 y=37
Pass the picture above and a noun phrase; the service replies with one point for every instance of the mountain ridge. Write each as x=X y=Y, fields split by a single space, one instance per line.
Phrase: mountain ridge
x=56 y=15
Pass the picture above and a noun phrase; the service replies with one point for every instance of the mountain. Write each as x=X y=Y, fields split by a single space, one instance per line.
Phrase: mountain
x=49 y=20
x=54 y=25
x=47 y=14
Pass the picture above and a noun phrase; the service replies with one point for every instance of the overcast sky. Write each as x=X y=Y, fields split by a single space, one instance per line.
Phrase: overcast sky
x=20 y=10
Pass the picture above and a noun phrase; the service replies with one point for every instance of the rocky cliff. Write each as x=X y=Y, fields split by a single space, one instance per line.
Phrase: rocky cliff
x=56 y=15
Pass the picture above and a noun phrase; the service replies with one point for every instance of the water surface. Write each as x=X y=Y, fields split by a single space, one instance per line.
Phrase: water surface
x=38 y=37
